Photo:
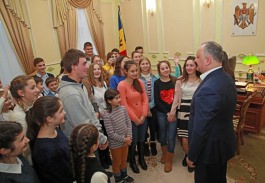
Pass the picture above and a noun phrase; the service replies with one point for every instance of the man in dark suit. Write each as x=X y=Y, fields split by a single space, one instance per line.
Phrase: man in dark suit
x=211 y=135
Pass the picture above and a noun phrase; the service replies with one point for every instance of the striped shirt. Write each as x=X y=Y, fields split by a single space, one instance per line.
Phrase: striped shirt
x=149 y=89
x=118 y=126
x=148 y=83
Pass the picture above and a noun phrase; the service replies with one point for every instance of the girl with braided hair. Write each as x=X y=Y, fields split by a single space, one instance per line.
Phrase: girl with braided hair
x=49 y=145
x=84 y=142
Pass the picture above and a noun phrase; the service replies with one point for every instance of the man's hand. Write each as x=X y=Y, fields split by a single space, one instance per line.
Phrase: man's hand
x=190 y=163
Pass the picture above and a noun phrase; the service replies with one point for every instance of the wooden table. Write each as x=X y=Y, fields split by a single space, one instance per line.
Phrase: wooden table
x=255 y=118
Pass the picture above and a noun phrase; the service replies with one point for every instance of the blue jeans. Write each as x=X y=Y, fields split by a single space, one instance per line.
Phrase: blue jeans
x=167 y=131
x=138 y=132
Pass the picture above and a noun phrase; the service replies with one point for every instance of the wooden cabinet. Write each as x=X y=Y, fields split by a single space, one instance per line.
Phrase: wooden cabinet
x=255 y=118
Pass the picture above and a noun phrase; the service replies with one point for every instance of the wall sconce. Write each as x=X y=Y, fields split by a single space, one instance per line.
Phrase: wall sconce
x=151 y=6
x=207 y=3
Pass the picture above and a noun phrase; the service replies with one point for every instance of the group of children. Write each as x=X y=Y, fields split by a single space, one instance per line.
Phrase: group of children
x=44 y=144
x=129 y=108
x=52 y=84
x=50 y=151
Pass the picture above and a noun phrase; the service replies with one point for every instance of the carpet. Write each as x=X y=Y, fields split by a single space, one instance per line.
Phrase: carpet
x=249 y=166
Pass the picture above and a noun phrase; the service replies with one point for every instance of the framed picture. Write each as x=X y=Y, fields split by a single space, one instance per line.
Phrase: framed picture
x=245 y=14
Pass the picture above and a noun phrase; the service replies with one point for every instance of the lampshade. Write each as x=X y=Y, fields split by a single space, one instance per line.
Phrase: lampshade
x=250 y=60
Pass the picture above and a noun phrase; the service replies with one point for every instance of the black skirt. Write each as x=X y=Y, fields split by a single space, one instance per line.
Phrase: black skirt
x=183 y=118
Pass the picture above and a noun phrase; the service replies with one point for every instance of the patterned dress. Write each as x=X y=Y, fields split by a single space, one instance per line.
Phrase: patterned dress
x=188 y=89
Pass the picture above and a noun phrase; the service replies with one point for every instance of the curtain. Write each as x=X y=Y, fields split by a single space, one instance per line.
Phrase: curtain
x=64 y=20
x=16 y=20
x=7 y=53
x=83 y=31
x=96 y=25
x=80 y=3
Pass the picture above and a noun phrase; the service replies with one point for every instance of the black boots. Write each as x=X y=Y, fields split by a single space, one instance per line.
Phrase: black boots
x=184 y=162
x=133 y=164
x=190 y=169
x=141 y=149
x=142 y=162
x=153 y=148
x=146 y=149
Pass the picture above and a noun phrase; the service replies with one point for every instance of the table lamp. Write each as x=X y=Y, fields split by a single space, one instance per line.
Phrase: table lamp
x=250 y=60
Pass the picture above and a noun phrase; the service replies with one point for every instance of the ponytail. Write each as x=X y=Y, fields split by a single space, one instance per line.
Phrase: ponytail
x=33 y=126
x=36 y=116
x=137 y=86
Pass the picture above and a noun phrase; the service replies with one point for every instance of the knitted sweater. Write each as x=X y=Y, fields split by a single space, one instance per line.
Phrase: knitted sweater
x=135 y=103
x=51 y=158
x=118 y=126
x=164 y=95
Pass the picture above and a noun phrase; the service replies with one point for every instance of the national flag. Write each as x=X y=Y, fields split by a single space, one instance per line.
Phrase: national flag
x=122 y=39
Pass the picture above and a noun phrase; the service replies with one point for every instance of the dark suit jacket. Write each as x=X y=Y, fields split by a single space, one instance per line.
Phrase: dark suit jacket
x=211 y=134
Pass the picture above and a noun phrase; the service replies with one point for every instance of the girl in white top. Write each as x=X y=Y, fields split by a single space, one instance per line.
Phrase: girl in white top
x=24 y=92
x=97 y=88
x=184 y=90
x=96 y=92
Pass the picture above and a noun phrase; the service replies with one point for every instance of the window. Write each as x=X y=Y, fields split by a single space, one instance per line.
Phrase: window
x=9 y=64
x=83 y=31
